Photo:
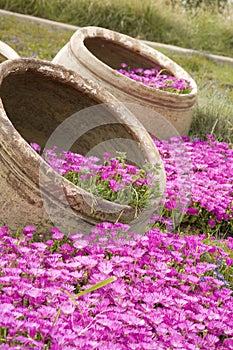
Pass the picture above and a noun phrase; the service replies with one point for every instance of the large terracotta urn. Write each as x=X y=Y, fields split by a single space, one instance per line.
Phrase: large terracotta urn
x=42 y=102
x=6 y=52
x=97 y=52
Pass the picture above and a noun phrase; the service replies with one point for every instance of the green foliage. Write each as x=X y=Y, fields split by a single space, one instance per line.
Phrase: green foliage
x=224 y=269
x=31 y=39
x=3 y=334
x=197 y=4
x=213 y=115
x=154 y=20
x=199 y=223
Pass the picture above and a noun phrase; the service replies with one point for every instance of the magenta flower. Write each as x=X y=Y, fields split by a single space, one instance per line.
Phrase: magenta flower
x=156 y=79
x=193 y=211
x=65 y=247
x=49 y=243
x=124 y=65
x=113 y=185
x=28 y=231
x=3 y=231
x=56 y=234
x=35 y=146
x=212 y=223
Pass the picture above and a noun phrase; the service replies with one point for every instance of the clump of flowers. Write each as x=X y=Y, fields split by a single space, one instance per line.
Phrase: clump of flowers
x=156 y=78
x=114 y=180
x=210 y=176
x=207 y=178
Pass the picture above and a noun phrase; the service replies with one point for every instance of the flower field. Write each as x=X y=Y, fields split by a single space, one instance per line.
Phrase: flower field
x=172 y=287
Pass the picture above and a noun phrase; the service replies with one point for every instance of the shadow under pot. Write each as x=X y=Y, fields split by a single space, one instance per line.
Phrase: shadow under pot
x=49 y=105
x=97 y=53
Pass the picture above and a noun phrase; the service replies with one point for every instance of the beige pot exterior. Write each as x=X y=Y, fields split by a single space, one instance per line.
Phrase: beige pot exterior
x=36 y=97
x=6 y=52
x=96 y=52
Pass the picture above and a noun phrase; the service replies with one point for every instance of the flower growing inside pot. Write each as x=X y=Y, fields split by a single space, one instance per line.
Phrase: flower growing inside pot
x=115 y=180
x=156 y=78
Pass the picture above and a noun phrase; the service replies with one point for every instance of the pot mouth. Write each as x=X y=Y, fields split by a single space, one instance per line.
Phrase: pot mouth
x=93 y=45
x=26 y=161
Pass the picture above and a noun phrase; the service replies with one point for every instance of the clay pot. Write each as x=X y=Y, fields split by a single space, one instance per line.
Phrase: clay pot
x=37 y=98
x=6 y=52
x=96 y=52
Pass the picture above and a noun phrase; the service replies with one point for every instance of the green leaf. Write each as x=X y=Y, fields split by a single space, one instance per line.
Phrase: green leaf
x=95 y=287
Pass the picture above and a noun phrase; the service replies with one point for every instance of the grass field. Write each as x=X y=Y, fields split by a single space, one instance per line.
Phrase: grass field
x=164 y=21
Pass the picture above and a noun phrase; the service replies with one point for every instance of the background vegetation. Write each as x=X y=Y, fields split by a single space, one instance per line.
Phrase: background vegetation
x=198 y=24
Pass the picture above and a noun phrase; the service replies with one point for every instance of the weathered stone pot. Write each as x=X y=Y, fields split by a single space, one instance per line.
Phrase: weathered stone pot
x=96 y=52
x=6 y=52
x=37 y=98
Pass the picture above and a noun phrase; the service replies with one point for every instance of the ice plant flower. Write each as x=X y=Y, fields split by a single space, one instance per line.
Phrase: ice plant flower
x=210 y=179
x=115 y=180
x=161 y=297
x=156 y=78
x=170 y=290
x=207 y=178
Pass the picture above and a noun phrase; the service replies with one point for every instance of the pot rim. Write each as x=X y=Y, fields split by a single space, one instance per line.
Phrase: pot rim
x=63 y=75
x=91 y=62
x=7 y=51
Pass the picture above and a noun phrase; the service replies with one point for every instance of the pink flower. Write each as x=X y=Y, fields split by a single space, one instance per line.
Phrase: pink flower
x=124 y=65
x=105 y=267
x=193 y=211
x=229 y=261
x=106 y=155
x=212 y=223
x=28 y=231
x=49 y=243
x=35 y=146
x=56 y=234
x=3 y=231
x=65 y=247
x=113 y=185
x=68 y=308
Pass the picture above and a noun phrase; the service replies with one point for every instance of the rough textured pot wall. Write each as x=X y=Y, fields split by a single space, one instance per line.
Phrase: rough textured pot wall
x=96 y=52
x=36 y=97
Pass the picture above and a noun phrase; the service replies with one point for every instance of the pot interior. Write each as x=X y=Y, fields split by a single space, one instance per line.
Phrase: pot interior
x=37 y=104
x=113 y=54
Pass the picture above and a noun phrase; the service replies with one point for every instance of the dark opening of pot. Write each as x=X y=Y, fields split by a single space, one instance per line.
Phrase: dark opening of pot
x=113 y=54
x=37 y=104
